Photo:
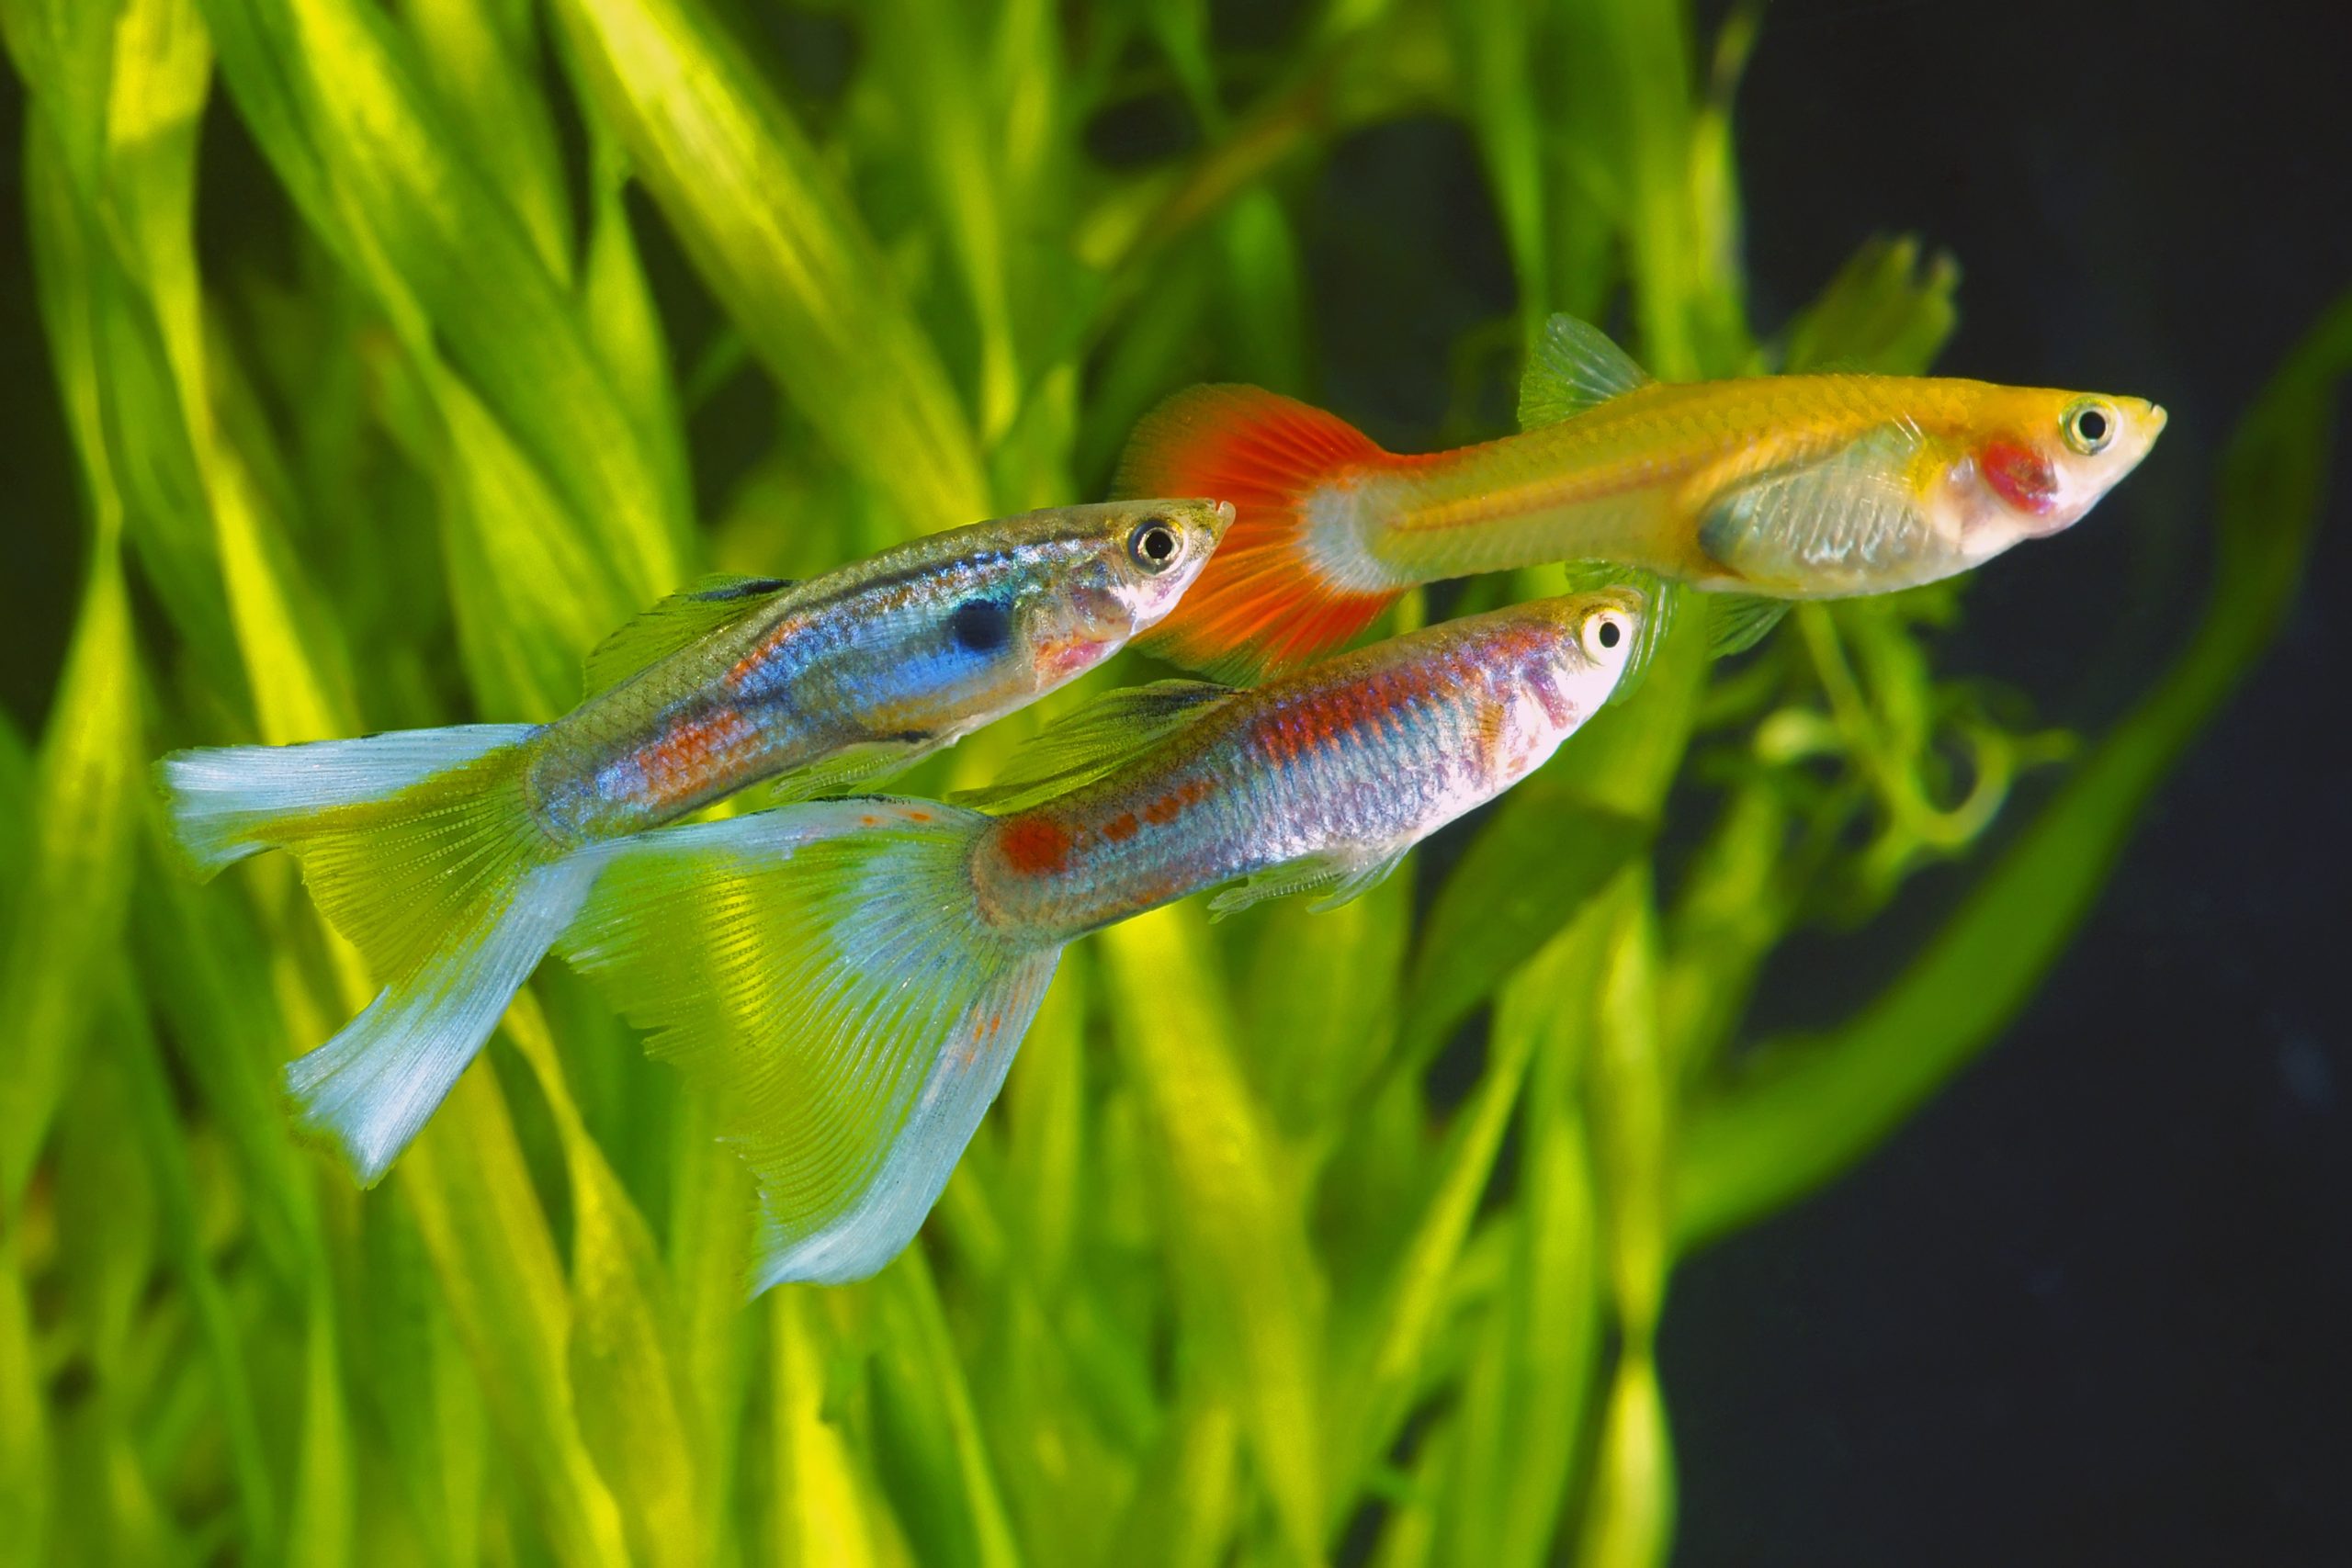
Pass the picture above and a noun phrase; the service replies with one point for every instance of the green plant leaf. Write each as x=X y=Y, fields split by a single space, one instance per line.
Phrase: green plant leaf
x=1492 y=915
x=1883 y=311
x=634 y=1401
x=87 y=774
x=26 y=1466
x=958 y=1515
x=1379 y=1366
x=336 y=98
x=488 y=1239
x=819 y=1508
x=1629 y=1520
x=1238 y=1249
x=1514 y=1460
x=782 y=249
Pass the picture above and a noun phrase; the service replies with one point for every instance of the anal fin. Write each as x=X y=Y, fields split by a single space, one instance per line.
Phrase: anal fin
x=1348 y=876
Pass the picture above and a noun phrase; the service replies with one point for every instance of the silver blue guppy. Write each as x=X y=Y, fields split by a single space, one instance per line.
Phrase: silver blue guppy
x=452 y=857
x=849 y=979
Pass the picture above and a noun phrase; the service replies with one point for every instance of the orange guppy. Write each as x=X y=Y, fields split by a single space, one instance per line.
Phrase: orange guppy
x=1778 y=487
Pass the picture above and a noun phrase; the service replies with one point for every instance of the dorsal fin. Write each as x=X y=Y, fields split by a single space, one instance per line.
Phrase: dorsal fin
x=1088 y=743
x=1572 y=365
x=680 y=619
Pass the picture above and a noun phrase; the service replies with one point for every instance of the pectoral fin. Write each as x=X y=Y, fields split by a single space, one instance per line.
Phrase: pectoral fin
x=1348 y=876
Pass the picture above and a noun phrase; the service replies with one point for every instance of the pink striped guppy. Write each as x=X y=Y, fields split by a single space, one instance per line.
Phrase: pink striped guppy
x=851 y=978
x=452 y=857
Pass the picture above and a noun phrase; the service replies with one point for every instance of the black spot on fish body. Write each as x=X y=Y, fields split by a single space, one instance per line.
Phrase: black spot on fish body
x=750 y=588
x=980 y=625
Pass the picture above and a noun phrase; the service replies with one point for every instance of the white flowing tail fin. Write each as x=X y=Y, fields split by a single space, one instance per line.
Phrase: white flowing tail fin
x=826 y=971
x=421 y=846
x=228 y=802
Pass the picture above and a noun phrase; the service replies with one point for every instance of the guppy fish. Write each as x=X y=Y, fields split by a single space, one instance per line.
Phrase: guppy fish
x=851 y=978
x=1777 y=486
x=452 y=857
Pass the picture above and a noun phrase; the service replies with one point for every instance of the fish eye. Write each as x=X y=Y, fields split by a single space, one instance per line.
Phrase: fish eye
x=2089 y=426
x=1154 y=545
x=1606 y=633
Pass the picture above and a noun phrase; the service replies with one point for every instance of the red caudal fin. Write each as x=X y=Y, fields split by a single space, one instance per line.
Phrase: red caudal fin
x=1267 y=601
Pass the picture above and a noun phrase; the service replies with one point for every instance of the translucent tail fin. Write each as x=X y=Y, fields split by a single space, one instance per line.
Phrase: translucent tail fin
x=228 y=802
x=826 y=971
x=1276 y=595
x=421 y=846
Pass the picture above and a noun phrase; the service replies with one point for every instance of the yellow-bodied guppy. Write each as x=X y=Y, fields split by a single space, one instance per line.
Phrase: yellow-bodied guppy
x=1775 y=488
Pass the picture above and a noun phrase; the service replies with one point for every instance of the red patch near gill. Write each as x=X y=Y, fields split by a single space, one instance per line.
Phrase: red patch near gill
x=1061 y=659
x=2020 y=476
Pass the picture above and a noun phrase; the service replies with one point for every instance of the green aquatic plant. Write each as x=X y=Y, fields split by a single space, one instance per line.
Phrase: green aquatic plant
x=392 y=434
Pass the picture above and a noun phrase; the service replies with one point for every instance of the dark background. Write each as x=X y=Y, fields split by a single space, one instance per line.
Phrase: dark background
x=2093 y=1304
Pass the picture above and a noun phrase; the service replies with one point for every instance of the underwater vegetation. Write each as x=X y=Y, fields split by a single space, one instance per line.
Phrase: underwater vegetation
x=1298 y=1237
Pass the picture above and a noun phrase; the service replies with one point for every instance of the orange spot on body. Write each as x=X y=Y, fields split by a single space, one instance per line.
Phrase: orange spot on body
x=692 y=757
x=1176 y=802
x=1036 y=846
x=1120 y=829
x=1325 y=721
x=918 y=815
x=743 y=669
